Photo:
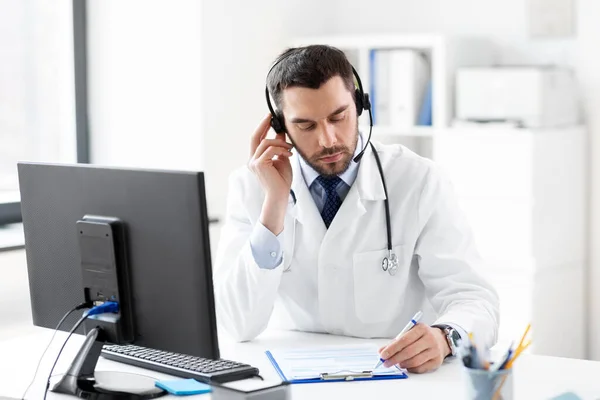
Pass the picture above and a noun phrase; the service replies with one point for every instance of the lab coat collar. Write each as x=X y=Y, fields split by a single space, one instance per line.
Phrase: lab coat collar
x=302 y=206
x=365 y=174
x=367 y=186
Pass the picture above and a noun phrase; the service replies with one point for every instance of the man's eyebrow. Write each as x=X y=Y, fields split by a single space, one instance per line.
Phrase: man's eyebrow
x=300 y=120
x=339 y=110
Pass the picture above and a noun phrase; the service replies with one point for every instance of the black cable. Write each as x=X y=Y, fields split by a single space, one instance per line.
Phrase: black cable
x=386 y=202
x=79 y=307
x=83 y=318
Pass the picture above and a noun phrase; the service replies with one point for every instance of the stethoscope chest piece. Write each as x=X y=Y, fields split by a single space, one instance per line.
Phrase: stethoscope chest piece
x=390 y=264
x=384 y=264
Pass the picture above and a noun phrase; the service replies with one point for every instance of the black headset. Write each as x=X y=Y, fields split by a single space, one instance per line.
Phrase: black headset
x=361 y=99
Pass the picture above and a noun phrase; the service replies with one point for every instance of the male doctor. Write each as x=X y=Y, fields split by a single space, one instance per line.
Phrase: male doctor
x=305 y=233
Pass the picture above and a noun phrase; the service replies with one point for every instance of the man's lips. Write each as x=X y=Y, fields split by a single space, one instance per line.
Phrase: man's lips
x=331 y=158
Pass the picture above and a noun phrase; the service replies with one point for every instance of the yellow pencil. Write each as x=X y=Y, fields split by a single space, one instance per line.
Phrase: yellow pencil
x=517 y=354
x=524 y=335
x=520 y=349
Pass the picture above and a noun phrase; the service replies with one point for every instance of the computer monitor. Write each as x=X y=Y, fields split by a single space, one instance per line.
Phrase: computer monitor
x=168 y=252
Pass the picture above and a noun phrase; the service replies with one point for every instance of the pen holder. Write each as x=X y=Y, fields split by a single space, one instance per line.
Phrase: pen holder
x=487 y=385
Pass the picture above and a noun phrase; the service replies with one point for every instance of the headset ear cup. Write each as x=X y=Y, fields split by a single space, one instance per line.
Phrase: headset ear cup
x=277 y=124
x=358 y=99
x=366 y=103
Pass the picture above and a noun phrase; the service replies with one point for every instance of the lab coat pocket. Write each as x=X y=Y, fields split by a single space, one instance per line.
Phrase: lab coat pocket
x=377 y=294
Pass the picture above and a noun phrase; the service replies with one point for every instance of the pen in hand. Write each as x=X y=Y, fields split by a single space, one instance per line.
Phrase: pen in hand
x=407 y=328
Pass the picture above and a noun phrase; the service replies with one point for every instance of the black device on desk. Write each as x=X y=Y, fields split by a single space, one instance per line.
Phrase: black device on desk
x=138 y=237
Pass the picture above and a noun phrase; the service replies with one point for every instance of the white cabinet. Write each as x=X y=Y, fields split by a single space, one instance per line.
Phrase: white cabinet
x=524 y=192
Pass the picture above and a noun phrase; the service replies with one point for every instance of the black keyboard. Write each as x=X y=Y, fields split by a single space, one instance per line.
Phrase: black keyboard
x=182 y=365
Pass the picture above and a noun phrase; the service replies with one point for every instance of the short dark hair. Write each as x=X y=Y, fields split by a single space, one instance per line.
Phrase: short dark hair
x=309 y=67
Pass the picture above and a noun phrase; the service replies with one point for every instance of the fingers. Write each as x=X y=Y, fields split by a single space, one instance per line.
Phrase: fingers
x=419 y=359
x=266 y=143
x=257 y=164
x=409 y=352
x=419 y=350
x=273 y=151
x=282 y=163
x=260 y=133
x=429 y=366
x=406 y=340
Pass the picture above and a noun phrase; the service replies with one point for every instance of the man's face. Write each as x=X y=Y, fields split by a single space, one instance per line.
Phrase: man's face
x=322 y=124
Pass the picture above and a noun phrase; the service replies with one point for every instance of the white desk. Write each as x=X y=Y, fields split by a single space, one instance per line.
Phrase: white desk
x=21 y=346
x=536 y=377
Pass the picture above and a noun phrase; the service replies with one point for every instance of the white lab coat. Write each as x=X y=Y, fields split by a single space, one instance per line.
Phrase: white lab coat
x=331 y=280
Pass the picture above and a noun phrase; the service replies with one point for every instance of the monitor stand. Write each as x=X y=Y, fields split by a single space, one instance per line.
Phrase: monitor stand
x=81 y=380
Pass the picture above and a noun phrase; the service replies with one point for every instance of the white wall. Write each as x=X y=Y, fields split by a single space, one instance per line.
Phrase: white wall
x=144 y=63
x=236 y=53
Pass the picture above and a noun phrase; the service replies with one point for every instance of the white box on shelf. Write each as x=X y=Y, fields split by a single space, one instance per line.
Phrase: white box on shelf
x=536 y=97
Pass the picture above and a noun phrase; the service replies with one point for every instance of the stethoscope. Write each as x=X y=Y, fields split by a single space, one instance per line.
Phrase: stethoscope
x=389 y=263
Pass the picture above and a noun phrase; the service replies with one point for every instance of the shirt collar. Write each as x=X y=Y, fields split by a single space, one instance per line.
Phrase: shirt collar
x=348 y=176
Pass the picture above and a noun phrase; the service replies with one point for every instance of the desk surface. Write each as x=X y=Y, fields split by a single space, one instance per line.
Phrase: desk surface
x=536 y=377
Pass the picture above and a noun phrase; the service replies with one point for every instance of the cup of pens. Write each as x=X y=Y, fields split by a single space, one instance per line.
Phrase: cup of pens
x=488 y=385
x=488 y=379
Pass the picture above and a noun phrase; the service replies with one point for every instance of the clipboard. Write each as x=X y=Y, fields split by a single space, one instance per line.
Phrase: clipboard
x=331 y=364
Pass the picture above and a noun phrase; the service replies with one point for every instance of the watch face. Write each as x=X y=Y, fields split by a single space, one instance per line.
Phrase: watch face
x=455 y=337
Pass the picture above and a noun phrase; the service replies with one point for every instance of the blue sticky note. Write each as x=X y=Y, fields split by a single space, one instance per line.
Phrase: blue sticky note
x=183 y=387
x=567 y=396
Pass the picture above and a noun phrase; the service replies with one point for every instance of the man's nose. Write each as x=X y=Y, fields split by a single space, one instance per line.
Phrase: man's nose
x=327 y=138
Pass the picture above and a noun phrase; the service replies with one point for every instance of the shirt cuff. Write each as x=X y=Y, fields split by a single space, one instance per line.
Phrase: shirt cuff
x=267 y=249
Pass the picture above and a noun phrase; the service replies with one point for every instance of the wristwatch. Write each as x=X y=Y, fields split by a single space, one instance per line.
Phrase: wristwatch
x=452 y=337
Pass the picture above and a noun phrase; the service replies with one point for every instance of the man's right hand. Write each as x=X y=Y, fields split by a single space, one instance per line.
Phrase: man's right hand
x=274 y=174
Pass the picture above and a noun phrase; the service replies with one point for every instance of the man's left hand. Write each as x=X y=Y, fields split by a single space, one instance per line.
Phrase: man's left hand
x=422 y=349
